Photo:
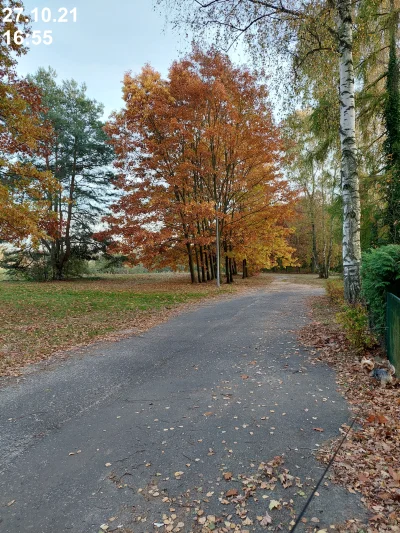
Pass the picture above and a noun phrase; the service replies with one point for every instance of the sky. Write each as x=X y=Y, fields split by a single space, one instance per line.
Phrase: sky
x=109 y=38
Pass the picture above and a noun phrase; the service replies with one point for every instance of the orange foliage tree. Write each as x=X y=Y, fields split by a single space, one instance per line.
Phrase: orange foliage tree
x=23 y=189
x=199 y=145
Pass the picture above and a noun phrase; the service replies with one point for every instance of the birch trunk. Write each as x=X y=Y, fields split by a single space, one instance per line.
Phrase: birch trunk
x=349 y=175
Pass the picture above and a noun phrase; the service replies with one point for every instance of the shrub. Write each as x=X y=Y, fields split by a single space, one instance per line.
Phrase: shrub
x=380 y=273
x=355 y=322
x=335 y=290
x=34 y=265
x=29 y=264
x=76 y=268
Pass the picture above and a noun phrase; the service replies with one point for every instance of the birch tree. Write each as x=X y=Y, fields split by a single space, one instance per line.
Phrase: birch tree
x=349 y=175
x=296 y=32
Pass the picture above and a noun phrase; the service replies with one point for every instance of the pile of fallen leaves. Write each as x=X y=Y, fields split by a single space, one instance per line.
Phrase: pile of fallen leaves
x=238 y=514
x=369 y=460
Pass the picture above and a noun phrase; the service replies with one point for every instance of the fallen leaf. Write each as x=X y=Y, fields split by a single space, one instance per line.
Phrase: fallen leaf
x=395 y=475
x=227 y=476
x=266 y=520
x=273 y=504
x=231 y=492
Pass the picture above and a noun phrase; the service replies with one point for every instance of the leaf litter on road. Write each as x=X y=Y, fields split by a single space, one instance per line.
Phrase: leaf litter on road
x=368 y=461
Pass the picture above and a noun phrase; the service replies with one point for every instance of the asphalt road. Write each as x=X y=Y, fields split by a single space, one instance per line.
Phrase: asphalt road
x=122 y=434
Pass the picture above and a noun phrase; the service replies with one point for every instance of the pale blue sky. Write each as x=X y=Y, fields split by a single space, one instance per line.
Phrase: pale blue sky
x=109 y=38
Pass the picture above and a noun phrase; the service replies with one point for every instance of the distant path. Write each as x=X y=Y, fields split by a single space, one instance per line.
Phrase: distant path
x=222 y=387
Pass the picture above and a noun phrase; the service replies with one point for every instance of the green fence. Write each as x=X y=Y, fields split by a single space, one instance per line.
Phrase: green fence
x=393 y=330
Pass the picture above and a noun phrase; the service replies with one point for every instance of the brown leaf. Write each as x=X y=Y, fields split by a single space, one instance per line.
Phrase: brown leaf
x=244 y=376
x=227 y=476
x=362 y=477
x=208 y=413
x=395 y=475
x=266 y=519
x=231 y=492
x=381 y=419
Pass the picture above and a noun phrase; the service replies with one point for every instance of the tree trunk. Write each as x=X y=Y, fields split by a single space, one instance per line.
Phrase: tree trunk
x=244 y=274
x=203 y=270
x=206 y=264
x=349 y=175
x=314 y=261
x=190 y=259
x=228 y=275
x=211 y=260
x=198 y=265
x=235 y=271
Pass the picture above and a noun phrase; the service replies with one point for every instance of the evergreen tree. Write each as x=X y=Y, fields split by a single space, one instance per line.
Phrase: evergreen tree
x=78 y=155
x=392 y=142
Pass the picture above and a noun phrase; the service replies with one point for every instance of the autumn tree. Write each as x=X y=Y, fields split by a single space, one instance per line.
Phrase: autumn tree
x=296 y=32
x=78 y=155
x=23 y=132
x=195 y=147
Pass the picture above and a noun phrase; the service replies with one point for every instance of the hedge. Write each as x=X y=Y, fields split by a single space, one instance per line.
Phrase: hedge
x=380 y=273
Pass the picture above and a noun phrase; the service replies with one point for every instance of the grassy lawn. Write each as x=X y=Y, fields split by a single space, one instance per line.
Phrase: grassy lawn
x=38 y=319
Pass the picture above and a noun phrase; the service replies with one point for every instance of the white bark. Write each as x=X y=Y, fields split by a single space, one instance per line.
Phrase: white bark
x=349 y=175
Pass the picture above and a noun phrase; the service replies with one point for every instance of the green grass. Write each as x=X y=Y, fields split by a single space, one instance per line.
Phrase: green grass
x=38 y=319
x=63 y=303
